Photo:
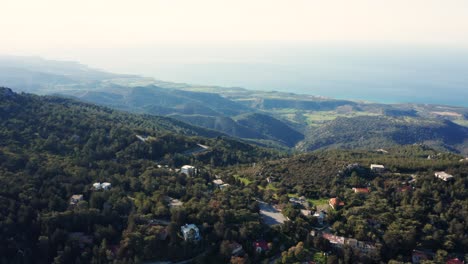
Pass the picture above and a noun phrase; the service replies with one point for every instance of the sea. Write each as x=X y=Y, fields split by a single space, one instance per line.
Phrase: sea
x=385 y=74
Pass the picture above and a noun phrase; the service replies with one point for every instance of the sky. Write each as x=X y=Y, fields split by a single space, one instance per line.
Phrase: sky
x=384 y=50
x=32 y=27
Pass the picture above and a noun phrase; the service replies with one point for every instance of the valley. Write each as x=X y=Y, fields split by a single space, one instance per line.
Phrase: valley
x=274 y=119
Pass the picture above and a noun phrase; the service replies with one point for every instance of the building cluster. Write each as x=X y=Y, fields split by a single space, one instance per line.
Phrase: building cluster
x=340 y=242
x=423 y=255
x=102 y=186
x=220 y=184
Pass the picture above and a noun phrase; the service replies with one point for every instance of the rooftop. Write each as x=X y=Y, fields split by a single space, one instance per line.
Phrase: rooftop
x=361 y=190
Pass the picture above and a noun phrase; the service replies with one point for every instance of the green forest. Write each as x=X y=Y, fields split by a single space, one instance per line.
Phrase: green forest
x=54 y=150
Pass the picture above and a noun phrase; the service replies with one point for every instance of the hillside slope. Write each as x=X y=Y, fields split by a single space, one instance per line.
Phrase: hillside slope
x=63 y=125
x=374 y=132
x=270 y=127
x=53 y=149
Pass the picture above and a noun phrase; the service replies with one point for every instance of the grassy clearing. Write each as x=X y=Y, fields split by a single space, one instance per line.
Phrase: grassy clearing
x=320 y=258
x=244 y=180
x=318 y=202
x=293 y=195
x=319 y=117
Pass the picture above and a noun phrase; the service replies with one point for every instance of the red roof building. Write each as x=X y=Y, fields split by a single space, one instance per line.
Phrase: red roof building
x=261 y=246
x=335 y=203
x=404 y=189
x=454 y=261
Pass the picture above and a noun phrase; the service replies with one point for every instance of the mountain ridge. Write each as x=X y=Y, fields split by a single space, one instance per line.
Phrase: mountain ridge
x=300 y=117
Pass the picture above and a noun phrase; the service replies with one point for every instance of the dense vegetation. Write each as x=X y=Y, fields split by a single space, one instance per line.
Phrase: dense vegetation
x=407 y=207
x=53 y=148
x=377 y=132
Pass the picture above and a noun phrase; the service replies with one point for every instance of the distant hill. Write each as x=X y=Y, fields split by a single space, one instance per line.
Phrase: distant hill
x=203 y=109
x=271 y=127
x=378 y=131
x=285 y=120
x=61 y=126
x=249 y=126
x=319 y=105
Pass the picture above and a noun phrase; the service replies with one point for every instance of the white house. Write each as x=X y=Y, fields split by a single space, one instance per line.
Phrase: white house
x=97 y=186
x=443 y=175
x=188 y=170
x=106 y=185
x=377 y=167
x=190 y=232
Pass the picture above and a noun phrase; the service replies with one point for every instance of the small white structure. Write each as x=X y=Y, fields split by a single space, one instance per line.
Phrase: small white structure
x=106 y=185
x=76 y=198
x=377 y=167
x=190 y=232
x=188 y=170
x=142 y=138
x=102 y=186
x=443 y=175
x=218 y=182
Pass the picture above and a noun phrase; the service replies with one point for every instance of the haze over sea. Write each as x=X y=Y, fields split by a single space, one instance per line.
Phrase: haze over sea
x=387 y=75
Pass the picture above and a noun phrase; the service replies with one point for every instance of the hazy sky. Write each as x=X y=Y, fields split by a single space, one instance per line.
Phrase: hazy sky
x=367 y=49
x=33 y=27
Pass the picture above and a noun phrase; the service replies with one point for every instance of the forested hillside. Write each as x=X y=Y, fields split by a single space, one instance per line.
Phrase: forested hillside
x=298 y=122
x=373 y=132
x=81 y=183
x=53 y=148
